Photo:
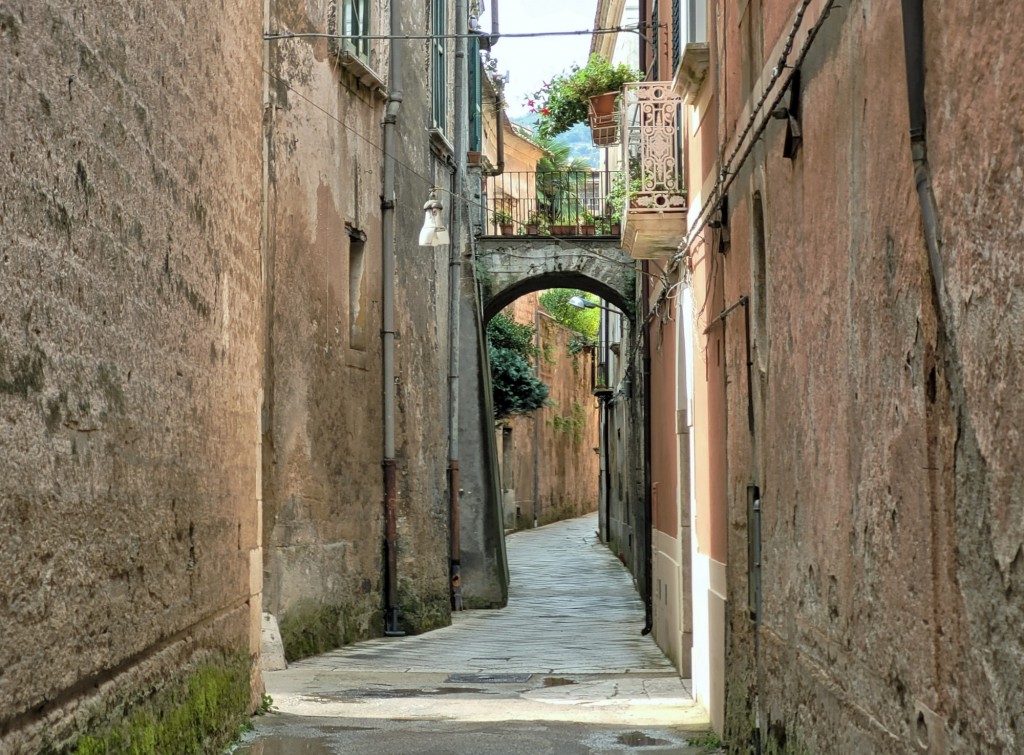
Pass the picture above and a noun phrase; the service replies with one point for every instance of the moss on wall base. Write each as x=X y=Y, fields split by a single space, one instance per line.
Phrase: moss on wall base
x=199 y=711
x=559 y=512
x=310 y=628
x=419 y=611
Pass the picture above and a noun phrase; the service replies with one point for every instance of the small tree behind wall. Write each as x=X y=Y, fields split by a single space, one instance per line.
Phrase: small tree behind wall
x=583 y=321
x=515 y=386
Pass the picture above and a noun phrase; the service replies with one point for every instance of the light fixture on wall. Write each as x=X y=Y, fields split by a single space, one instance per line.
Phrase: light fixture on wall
x=433 y=232
x=580 y=303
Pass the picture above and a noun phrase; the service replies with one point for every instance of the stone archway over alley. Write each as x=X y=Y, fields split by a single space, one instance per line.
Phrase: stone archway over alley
x=506 y=268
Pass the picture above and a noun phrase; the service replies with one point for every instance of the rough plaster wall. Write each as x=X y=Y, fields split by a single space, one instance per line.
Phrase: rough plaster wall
x=129 y=360
x=324 y=514
x=569 y=468
x=483 y=559
x=853 y=434
x=421 y=353
x=975 y=132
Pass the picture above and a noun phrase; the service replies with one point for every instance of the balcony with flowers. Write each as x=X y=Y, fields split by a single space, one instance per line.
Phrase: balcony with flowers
x=644 y=120
x=654 y=213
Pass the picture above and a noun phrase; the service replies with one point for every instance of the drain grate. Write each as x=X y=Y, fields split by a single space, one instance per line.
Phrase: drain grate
x=488 y=678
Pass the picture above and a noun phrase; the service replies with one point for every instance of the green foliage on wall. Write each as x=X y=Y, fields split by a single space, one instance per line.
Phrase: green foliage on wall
x=505 y=333
x=310 y=628
x=199 y=712
x=515 y=386
x=582 y=321
x=572 y=424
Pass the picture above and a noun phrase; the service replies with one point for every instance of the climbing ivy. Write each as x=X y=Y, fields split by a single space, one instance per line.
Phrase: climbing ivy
x=515 y=387
x=582 y=321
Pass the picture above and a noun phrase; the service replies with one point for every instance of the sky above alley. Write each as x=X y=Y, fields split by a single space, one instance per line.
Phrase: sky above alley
x=532 y=61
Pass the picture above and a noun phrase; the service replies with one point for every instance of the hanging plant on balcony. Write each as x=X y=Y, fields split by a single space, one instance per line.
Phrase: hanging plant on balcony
x=563 y=102
x=621 y=193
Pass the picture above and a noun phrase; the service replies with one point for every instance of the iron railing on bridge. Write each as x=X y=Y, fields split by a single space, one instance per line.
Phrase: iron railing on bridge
x=552 y=203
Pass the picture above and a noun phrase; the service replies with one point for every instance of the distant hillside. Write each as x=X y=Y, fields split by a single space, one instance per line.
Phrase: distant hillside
x=577 y=139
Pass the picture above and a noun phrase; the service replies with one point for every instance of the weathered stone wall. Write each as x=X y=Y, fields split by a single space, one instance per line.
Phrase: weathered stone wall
x=568 y=468
x=885 y=451
x=323 y=415
x=129 y=367
x=975 y=127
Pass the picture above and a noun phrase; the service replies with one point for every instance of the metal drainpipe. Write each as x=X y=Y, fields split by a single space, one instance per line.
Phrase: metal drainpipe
x=391 y=628
x=642 y=22
x=750 y=364
x=648 y=503
x=494 y=22
x=454 y=288
x=606 y=411
x=913 y=50
x=499 y=113
x=537 y=419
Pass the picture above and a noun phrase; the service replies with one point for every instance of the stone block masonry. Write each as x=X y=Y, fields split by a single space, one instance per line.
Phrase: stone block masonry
x=130 y=364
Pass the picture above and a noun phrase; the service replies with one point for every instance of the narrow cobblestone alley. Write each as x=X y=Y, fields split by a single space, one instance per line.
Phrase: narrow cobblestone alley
x=562 y=669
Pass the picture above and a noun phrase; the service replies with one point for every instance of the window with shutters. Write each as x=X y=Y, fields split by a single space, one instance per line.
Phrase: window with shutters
x=355 y=22
x=439 y=64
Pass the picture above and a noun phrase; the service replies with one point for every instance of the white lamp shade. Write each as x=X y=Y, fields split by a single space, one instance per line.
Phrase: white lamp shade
x=580 y=303
x=433 y=232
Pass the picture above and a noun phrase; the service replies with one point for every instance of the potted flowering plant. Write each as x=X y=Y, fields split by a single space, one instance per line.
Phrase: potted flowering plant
x=622 y=191
x=535 y=224
x=563 y=102
x=587 y=223
x=504 y=221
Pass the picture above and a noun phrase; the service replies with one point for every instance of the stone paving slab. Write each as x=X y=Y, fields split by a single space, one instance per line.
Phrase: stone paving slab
x=572 y=608
x=584 y=678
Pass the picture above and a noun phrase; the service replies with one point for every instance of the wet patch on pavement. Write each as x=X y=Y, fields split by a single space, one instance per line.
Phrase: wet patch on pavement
x=283 y=745
x=488 y=678
x=639 y=739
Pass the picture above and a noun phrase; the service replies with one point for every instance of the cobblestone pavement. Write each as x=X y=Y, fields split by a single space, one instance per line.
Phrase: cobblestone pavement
x=562 y=669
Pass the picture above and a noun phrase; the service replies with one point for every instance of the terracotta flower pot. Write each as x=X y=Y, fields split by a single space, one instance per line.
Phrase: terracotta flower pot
x=603 y=105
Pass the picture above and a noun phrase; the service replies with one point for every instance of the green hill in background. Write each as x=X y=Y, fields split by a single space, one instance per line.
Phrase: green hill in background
x=577 y=139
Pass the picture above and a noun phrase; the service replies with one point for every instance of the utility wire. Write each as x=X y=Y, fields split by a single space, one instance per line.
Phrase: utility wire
x=427 y=181
x=480 y=35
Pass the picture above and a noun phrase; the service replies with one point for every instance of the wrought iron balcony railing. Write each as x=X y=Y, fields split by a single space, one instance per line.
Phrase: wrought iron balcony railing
x=654 y=215
x=556 y=203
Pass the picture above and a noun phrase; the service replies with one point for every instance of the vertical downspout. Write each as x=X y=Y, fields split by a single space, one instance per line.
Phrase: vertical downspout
x=267 y=273
x=643 y=21
x=750 y=364
x=499 y=114
x=454 y=311
x=537 y=419
x=391 y=628
x=494 y=21
x=966 y=448
x=913 y=50
x=606 y=408
x=648 y=503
